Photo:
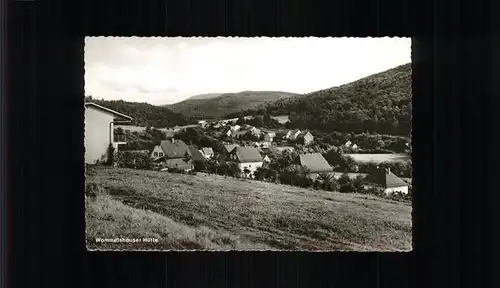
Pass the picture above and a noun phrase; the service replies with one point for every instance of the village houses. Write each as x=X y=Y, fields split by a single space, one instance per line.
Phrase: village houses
x=99 y=131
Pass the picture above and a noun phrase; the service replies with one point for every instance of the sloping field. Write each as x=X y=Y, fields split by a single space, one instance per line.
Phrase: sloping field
x=217 y=213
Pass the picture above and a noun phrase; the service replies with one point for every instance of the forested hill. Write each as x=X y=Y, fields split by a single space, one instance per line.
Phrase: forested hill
x=378 y=103
x=144 y=114
x=218 y=107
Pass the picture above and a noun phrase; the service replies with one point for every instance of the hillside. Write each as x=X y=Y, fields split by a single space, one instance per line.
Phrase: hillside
x=144 y=114
x=205 y=96
x=228 y=103
x=214 y=212
x=378 y=103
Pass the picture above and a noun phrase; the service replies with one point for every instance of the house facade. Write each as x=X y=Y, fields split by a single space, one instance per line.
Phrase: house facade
x=99 y=131
x=269 y=137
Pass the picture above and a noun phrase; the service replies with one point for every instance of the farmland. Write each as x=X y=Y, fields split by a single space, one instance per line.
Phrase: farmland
x=378 y=158
x=217 y=213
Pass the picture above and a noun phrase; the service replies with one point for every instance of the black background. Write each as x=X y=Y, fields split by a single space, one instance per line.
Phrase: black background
x=454 y=134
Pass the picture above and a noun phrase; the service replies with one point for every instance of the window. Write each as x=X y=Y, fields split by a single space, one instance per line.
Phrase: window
x=156 y=154
x=160 y=154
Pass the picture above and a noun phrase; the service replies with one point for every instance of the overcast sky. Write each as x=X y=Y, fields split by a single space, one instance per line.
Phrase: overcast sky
x=168 y=70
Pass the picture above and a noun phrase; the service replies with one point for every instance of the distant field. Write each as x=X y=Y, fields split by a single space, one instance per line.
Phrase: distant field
x=337 y=175
x=131 y=128
x=217 y=213
x=282 y=119
x=377 y=158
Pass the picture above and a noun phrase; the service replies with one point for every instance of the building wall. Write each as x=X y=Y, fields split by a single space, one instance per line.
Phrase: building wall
x=403 y=189
x=157 y=150
x=97 y=134
x=252 y=166
x=308 y=139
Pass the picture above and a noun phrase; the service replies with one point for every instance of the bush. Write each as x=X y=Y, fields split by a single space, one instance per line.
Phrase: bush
x=111 y=155
x=92 y=190
x=176 y=171
x=199 y=165
x=266 y=174
x=296 y=179
x=134 y=160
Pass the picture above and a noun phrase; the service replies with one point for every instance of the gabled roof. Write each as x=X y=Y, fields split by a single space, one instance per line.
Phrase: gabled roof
x=102 y=108
x=385 y=178
x=315 y=162
x=173 y=148
x=207 y=150
x=230 y=147
x=195 y=154
x=247 y=154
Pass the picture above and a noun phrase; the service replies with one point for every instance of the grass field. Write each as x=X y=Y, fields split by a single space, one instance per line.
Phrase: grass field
x=377 y=158
x=217 y=213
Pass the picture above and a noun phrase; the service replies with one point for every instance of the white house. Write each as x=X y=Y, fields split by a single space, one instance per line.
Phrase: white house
x=348 y=144
x=207 y=152
x=269 y=136
x=202 y=123
x=387 y=180
x=307 y=137
x=235 y=128
x=247 y=157
x=266 y=159
x=99 y=131
x=355 y=147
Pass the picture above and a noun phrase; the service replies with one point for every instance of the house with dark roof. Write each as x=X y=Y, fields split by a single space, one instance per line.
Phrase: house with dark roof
x=170 y=149
x=247 y=158
x=195 y=154
x=99 y=131
x=383 y=177
x=173 y=153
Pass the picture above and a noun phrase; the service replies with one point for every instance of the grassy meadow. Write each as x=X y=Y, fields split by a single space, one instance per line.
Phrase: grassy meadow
x=211 y=212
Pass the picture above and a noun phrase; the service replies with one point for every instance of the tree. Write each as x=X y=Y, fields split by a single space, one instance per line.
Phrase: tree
x=111 y=155
x=240 y=121
x=327 y=181
x=187 y=157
